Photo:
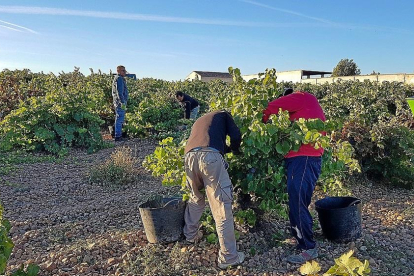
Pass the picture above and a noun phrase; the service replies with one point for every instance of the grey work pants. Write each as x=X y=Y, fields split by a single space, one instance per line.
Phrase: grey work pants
x=206 y=170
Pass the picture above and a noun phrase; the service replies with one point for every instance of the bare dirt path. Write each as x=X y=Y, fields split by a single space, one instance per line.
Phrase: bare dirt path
x=71 y=227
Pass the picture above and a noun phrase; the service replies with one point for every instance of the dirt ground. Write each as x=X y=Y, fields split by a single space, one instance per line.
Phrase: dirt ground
x=71 y=227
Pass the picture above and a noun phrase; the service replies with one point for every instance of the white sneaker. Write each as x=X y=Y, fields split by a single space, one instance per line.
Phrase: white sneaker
x=239 y=261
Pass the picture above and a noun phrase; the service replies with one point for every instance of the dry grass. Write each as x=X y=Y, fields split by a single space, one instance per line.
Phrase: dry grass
x=154 y=259
x=118 y=169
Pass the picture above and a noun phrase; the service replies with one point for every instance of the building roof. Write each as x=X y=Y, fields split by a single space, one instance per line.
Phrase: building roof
x=213 y=74
x=312 y=73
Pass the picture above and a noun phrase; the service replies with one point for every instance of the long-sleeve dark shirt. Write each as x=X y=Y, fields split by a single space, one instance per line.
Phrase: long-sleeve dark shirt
x=189 y=104
x=211 y=130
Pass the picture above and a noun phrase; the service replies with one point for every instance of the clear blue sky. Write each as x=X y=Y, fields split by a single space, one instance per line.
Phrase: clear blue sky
x=169 y=39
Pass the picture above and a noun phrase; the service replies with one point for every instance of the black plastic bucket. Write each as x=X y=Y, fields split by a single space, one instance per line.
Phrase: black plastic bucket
x=163 y=221
x=340 y=218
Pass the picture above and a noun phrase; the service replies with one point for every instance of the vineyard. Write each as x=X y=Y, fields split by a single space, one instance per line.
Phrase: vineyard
x=54 y=124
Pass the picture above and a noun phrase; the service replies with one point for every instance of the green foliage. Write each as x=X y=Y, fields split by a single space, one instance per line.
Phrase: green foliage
x=16 y=87
x=243 y=217
x=118 y=169
x=259 y=171
x=6 y=247
x=252 y=251
x=99 y=89
x=156 y=112
x=346 y=67
x=31 y=270
x=6 y=244
x=237 y=235
x=346 y=265
x=156 y=115
x=55 y=112
x=42 y=101
x=62 y=119
x=377 y=122
x=168 y=161
x=278 y=237
x=209 y=227
x=212 y=238
x=395 y=147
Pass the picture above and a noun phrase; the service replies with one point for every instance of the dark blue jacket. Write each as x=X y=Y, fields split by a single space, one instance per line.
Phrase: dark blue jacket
x=119 y=91
x=189 y=104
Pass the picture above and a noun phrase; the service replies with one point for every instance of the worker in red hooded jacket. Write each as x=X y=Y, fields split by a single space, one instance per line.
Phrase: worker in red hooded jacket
x=303 y=168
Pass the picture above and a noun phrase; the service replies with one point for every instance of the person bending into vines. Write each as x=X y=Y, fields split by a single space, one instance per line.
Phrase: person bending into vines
x=191 y=105
x=206 y=169
x=303 y=168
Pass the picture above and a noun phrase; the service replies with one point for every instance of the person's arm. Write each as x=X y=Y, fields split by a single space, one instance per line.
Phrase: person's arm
x=234 y=132
x=132 y=76
x=291 y=103
x=187 y=109
x=120 y=87
x=126 y=92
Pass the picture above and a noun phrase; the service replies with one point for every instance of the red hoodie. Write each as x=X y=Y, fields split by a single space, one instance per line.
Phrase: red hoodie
x=299 y=104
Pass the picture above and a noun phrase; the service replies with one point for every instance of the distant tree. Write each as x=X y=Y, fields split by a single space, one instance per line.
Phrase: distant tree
x=346 y=67
x=375 y=73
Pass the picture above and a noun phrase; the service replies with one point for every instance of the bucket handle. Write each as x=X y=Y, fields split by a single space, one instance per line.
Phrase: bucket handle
x=168 y=203
x=355 y=202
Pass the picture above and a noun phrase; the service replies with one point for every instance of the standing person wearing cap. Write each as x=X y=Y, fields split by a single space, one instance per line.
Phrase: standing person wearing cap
x=191 y=105
x=120 y=98
x=303 y=168
x=206 y=169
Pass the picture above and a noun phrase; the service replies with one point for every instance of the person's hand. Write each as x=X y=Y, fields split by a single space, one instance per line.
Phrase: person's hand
x=123 y=106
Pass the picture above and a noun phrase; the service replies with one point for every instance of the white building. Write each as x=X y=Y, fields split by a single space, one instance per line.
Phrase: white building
x=292 y=76
x=208 y=76
x=320 y=77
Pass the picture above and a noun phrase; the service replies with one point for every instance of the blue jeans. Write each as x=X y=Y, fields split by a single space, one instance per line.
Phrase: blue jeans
x=194 y=112
x=302 y=174
x=119 y=120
